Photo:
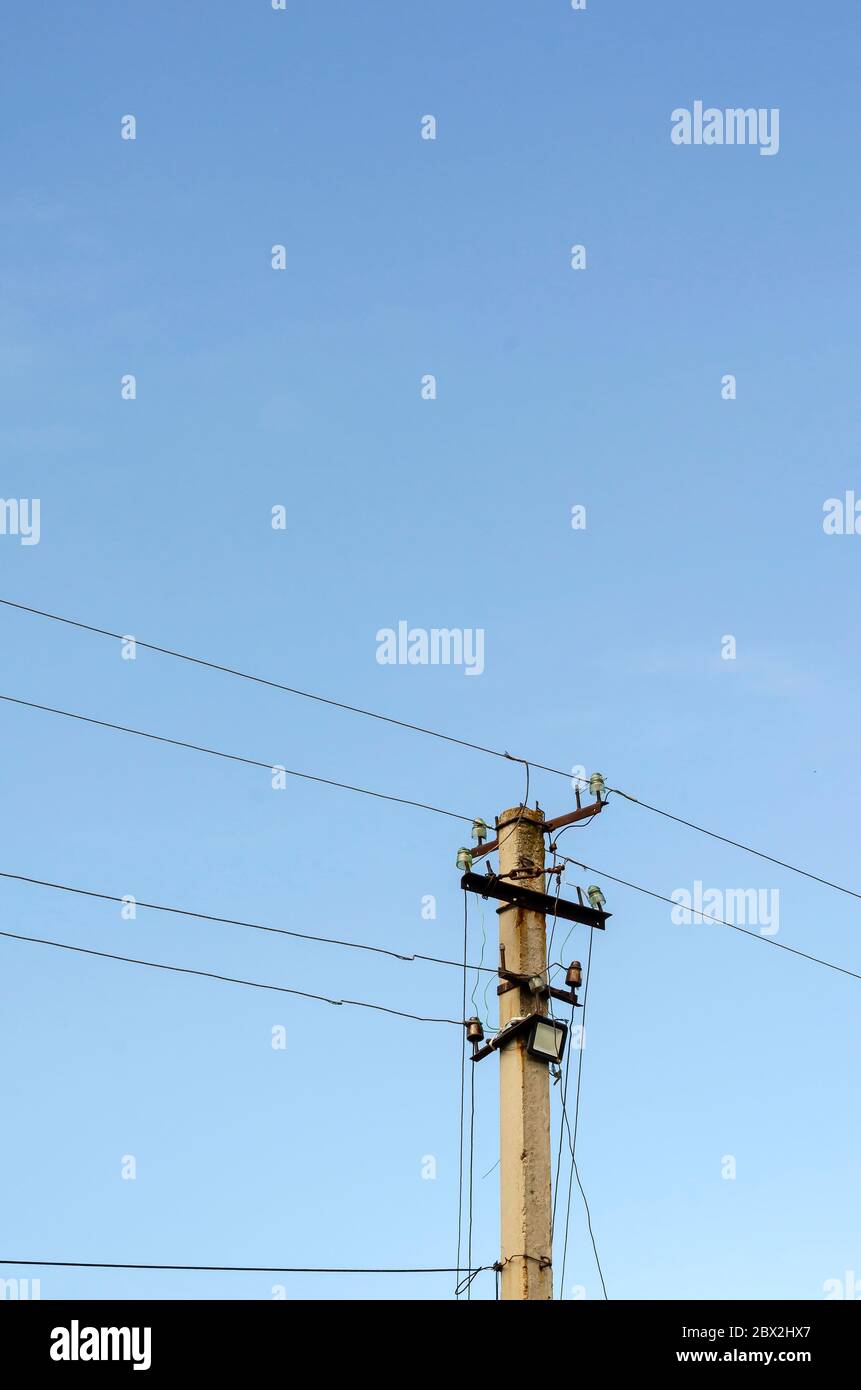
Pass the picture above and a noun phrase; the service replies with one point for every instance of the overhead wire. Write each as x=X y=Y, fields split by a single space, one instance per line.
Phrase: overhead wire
x=523 y=805
x=563 y=1091
x=738 y=844
x=244 y=1269
x=481 y=966
x=491 y=1027
x=227 y=979
x=457 y=1290
x=420 y=729
x=471 y=1172
x=555 y=915
x=258 y=680
x=470 y=1273
x=721 y=921
x=237 y=922
x=232 y=757
x=572 y=1138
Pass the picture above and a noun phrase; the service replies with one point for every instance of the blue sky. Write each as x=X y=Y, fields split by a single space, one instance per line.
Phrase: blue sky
x=301 y=388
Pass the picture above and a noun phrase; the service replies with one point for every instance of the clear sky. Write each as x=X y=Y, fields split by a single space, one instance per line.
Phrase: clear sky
x=302 y=388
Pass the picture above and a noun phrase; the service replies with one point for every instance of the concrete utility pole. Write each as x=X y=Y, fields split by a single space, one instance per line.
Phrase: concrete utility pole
x=524 y=1081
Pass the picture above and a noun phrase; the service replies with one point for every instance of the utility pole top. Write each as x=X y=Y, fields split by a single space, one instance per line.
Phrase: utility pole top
x=522 y=813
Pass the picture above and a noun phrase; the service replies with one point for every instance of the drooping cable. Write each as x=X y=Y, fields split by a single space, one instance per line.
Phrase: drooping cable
x=462 y=1097
x=573 y=1138
x=238 y=922
x=226 y=979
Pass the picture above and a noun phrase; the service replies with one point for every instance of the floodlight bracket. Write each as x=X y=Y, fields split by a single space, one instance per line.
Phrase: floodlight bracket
x=516 y=1029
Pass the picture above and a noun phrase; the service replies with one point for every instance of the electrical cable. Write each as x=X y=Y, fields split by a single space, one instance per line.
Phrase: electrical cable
x=236 y=922
x=737 y=844
x=457 y=1290
x=491 y=1027
x=227 y=979
x=471 y=1170
x=465 y=1285
x=420 y=729
x=573 y=1138
x=745 y=931
x=232 y=757
x=558 y=964
x=259 y=680
x=575 y=825
x=563 y=1093
x=523 y=805
x=238 y=1269
x=555 y=914
x=481 y=966
x=557 y=1177
x=470 y=1274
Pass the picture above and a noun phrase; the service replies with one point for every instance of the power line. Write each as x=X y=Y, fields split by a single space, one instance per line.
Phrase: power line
x=558 y=1175
x=572 y=1138
x=457 y=1291
x=567 y=1066
x=555 y=915
x=232 y=757
x=737 y=844
x=237 y=1269
x=228 y=979
x=261 y=680
x=415 y=728
x=486 y=969
x=745 y=931
x=471 y=1172
x=237 y=922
